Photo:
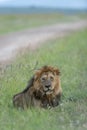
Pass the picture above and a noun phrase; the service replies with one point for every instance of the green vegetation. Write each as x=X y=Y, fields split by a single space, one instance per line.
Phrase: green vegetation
x=70 y=55
x=11 y=23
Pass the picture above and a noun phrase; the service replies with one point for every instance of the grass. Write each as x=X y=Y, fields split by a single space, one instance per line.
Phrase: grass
x=12 y=23
x=70 y=55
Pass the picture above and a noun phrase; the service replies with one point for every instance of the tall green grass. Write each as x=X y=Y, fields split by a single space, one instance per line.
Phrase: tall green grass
x=69 y=54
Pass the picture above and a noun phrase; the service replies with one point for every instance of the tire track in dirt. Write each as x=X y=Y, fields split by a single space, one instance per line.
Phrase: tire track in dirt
x=11 y=43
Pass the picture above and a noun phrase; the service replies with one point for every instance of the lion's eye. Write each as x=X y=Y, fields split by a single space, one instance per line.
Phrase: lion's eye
x=51 y=78
x=43 y=78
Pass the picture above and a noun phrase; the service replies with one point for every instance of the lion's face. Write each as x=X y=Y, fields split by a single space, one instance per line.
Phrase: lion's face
x=46 y=79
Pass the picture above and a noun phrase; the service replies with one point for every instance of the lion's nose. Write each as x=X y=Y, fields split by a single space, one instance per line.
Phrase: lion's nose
x=48 y=85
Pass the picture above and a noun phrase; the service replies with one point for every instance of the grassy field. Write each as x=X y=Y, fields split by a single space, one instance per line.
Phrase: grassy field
x=11 y=23
x=70 y=55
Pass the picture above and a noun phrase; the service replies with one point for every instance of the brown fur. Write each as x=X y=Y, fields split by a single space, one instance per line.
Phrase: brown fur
x=37 y=93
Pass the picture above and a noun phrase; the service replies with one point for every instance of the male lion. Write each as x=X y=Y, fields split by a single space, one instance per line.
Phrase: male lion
x=44 y=90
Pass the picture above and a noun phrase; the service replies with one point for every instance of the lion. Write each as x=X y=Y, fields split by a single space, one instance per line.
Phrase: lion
x=43 y=90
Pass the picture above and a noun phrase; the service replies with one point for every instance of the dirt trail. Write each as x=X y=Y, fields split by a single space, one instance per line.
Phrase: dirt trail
x=12 y=42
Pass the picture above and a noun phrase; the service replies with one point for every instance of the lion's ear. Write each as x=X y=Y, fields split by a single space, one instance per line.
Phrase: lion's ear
x=37 y=73
x=57 y=71
x=35 y=77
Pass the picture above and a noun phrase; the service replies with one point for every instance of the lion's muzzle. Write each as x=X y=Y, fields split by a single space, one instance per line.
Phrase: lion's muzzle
x=47 y=84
